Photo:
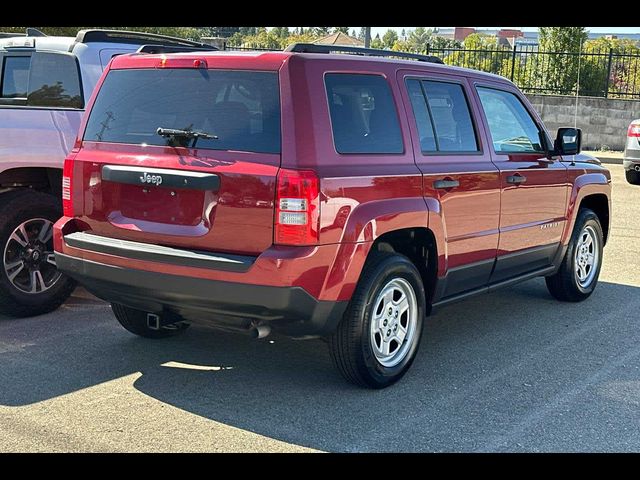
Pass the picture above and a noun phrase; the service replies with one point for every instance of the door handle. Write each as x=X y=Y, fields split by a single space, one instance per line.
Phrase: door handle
x=445 y=184
x=516 y=179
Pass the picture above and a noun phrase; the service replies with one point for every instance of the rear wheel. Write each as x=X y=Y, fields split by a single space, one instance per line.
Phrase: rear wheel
x=136 y=322
x=30 y=283
x=633 y=177
x=377 y=340
x=578 y=274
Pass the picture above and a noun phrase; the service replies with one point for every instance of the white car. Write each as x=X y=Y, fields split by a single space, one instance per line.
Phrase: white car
x=44 y=85
x=631 y=159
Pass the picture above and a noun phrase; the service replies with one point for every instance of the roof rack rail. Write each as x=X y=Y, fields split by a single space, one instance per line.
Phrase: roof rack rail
x=11 y=34
x=316 y=48
x=173 y=49
x=140 y=38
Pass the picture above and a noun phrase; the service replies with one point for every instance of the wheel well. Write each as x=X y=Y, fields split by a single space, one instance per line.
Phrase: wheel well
x=48 y=180
x=419 y=245
x=600 y=205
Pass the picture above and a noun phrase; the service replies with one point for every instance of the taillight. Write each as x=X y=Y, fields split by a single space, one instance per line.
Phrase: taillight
x=297 y=207
x=634 y=130
x=67 y=191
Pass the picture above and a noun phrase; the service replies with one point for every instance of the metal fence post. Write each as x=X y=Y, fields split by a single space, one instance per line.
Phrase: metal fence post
x=606 y=83
x=513 y=59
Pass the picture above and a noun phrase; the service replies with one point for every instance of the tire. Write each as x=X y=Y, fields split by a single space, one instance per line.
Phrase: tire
x=566 y=285
x=355 y=348
x=135 y=321
x=27 y=212
x=633 y=177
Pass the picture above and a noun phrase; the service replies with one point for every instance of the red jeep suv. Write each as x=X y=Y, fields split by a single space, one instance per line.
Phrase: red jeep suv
x=342 y=196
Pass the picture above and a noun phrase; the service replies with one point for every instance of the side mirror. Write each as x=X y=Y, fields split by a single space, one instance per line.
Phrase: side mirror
x=568 y=141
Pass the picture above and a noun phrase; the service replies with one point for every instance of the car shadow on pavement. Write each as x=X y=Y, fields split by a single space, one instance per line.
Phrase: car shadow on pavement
x=489 y=369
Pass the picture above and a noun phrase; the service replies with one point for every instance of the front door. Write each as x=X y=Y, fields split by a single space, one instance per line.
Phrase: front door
x=457 y=170
x=534 y=188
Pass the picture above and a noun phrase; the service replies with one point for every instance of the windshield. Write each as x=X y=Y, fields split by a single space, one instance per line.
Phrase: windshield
x=240 y=110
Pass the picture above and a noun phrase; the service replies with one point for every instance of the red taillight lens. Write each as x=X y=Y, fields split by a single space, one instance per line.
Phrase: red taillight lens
x=297 y=207
x=67 y=192
x=634 y=130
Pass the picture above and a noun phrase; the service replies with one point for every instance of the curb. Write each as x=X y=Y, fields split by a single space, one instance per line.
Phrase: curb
x=606 y=157
x=610 y=160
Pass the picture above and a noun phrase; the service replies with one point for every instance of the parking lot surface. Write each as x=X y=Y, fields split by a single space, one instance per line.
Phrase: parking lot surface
x=510 y=371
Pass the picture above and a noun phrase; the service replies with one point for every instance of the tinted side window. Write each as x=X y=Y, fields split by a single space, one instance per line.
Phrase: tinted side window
x=15 y=77
x=451 y=117
x=54 y=81
x=422 y=116
x=512 y=128
x=363 y=115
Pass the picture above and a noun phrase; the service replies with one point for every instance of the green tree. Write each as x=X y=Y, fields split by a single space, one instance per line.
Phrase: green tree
x=353 y=34
x=362 y=34
x=245 y=31
x=320 y=31
x=281 y=32
x=622 y=72
x=344 y=30
x=560 y=74
x=419 y=39
x=389 y=38
x=376 y=42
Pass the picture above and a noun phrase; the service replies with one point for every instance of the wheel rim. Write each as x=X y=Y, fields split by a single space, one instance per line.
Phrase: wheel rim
x=393 y=323
x=28 y=258
x=587 y=256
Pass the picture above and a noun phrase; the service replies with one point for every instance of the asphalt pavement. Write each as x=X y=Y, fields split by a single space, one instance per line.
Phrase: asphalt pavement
x=514 y=370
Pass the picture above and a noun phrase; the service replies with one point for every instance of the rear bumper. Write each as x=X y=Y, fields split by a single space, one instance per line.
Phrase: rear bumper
x=288 y=310
x=631 y=163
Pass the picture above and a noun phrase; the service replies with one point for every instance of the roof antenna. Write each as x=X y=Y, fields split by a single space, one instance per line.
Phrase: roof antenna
x=575 y=113
x=34 y=32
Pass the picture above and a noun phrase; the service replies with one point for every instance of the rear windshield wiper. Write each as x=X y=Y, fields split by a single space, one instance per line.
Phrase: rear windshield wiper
x=193 y=134
x=174 y=132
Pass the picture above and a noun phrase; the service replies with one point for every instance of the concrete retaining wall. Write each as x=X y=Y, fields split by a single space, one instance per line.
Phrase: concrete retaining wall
x=603 y=121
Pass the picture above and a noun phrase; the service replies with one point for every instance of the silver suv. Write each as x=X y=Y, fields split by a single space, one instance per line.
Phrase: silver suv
x=44 y=85
x=631 y=158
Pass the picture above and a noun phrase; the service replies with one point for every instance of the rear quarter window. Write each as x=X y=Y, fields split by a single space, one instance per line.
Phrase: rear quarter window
x=364 y=118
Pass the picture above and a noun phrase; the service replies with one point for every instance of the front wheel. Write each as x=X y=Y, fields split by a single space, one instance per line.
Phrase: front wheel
x=377 y=340
x=578 y=274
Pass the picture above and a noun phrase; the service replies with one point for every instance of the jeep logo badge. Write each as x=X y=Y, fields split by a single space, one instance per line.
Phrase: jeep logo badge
x=153 y=179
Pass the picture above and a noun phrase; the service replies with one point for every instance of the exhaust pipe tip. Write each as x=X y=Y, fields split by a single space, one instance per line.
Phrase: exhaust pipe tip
x=261 y=331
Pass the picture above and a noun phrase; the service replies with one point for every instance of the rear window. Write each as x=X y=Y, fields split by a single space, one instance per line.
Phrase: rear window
x=363 y=116
x=240 y=108
x=44 y=79
x=15 y=77
x=54 y=81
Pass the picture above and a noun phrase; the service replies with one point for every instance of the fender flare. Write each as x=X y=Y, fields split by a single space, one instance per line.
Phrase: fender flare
x=366 y=223
x=583 y=186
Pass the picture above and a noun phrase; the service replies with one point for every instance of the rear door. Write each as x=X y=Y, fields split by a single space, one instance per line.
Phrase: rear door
x=204 y=194
x=457 y=170
x=534 y=188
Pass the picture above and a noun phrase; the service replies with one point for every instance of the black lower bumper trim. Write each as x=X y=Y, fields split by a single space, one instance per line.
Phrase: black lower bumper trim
x=288 y=310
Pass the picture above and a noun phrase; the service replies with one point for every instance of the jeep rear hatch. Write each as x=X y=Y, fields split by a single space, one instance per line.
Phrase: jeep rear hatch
x=205 y=181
